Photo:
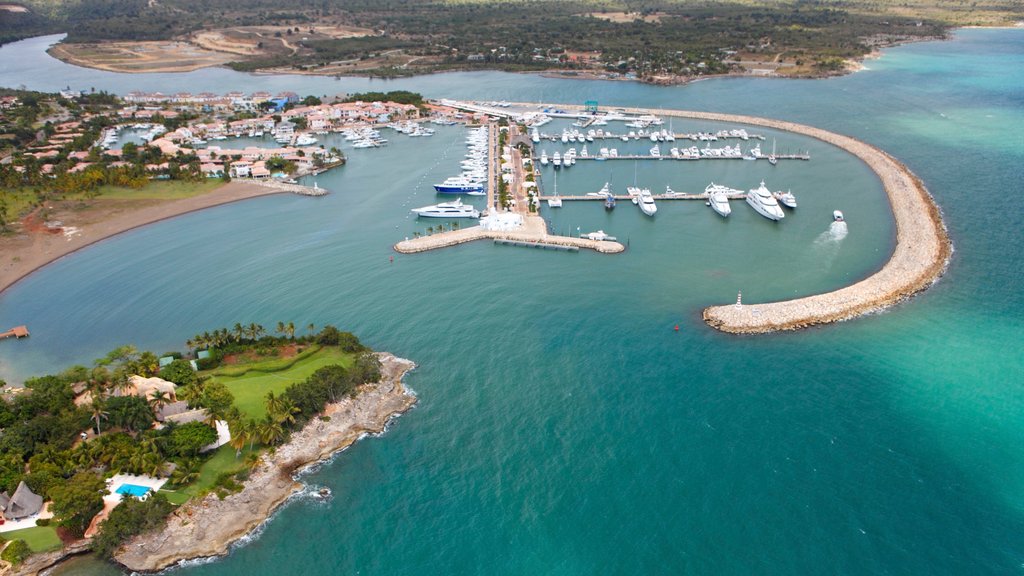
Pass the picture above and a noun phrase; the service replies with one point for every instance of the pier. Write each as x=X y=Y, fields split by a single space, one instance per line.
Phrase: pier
x=288 y=187
x=689 y=158
x=532 y=230
x=532 y=233
x=16 y=332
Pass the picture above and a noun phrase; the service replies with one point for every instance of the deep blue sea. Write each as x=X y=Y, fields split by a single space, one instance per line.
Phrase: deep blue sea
x=563 y=427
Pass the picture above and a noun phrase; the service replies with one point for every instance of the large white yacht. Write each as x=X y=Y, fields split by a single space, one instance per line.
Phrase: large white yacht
x=787 y=199
x=719 y=202
x=646 y=202
x=761 y=199
x=712 y=188
x=454 y=209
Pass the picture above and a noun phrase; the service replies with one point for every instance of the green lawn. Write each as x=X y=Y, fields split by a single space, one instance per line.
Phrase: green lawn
x=38 y=538
x=175 y=497
x=223 y=460
x=251 y=388
x=16 y=202
x=161 y=190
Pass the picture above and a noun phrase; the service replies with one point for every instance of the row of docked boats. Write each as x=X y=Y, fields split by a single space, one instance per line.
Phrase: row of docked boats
x=473 y=178
x=364 y=137
x=765 y=202
x=569 y=135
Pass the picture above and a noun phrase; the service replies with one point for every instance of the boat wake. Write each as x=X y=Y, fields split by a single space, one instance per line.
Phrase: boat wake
x=834 y=235
x=827 y=243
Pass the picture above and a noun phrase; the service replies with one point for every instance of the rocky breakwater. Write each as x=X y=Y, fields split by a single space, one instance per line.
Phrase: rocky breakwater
x=921 y=255
x=207 y=527
x=922 y=249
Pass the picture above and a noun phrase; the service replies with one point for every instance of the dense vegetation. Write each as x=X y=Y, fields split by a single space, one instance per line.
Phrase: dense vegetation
x=396 y=96
x=132 y=517
x=644 y=37
x=42 y=428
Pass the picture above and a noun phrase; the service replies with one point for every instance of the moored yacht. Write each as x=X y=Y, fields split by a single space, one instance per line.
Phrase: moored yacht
x=761 y=200
x=459 y=185
x=454 y=209
x=786 y=199
x=598 y=236
x=645 y=200
x=719 y=202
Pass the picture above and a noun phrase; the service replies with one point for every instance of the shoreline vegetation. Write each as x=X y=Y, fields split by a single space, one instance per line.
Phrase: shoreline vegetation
x=35 y=251
x=662 y=43
x=208 y=527
x=87 y=56
x=214 y=437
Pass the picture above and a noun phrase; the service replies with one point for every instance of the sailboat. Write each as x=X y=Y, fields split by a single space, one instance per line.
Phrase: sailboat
x=555 y=201
x=771 y=157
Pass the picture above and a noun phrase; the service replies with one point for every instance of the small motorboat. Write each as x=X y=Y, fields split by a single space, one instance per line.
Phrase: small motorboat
x=837 y=216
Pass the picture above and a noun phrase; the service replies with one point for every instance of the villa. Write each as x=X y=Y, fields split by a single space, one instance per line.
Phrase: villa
x=23 y=504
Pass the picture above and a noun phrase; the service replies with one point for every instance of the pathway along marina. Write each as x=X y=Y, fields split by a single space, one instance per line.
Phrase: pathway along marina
x=920 y=257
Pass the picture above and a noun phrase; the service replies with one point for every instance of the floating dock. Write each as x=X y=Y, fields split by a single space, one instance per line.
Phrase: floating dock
x=16 y=332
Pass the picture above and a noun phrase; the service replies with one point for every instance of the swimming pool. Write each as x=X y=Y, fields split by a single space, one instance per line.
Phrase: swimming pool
x=133 y=489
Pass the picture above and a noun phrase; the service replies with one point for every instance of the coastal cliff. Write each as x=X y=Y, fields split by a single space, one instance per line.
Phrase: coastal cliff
x=209 y=526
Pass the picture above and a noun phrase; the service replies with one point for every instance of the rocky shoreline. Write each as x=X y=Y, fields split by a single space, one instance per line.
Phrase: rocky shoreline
x=208 y=527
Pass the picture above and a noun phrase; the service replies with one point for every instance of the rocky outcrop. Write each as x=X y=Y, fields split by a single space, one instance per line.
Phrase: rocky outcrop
x=209 y=526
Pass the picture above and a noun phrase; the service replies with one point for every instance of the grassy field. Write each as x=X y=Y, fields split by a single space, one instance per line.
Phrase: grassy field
x=161 y=190
x=223 y=461
x=39 y=538
x=250 y=389
x=176 y=497
x=16 y=202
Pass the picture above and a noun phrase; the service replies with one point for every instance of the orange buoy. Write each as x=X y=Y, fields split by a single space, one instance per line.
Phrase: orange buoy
x=677 y=328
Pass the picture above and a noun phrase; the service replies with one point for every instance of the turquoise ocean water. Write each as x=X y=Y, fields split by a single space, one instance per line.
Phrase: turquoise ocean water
x=563 y=426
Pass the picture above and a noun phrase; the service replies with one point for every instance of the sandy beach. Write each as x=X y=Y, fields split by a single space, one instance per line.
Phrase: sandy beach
x=25 y=253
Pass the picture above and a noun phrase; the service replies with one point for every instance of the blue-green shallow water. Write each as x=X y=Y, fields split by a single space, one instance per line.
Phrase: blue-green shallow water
x=563 y=427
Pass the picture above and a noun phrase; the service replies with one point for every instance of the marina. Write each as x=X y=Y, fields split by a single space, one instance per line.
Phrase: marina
x=922 y=250
x=854 y=432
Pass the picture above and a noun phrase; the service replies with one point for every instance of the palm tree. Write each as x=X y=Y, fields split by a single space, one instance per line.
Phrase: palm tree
x=239 y=437
x=274 y=403
x=252 y=460
x=239 y=331
x=311 y=327
x=286 y=411
x=290 y=329
x=280 y=328
x=158 y=400
x=271 y=431
x=252 y=431
x=186 y=472
x=193 y=392
x=98 y=413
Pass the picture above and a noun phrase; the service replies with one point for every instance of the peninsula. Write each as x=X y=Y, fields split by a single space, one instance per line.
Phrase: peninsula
x=176 y=457
x=208 y=527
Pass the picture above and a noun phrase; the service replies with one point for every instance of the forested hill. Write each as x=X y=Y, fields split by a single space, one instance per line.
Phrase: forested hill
x=671 y=36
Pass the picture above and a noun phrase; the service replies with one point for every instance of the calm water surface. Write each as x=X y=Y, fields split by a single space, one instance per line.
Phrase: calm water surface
x=563 y=427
